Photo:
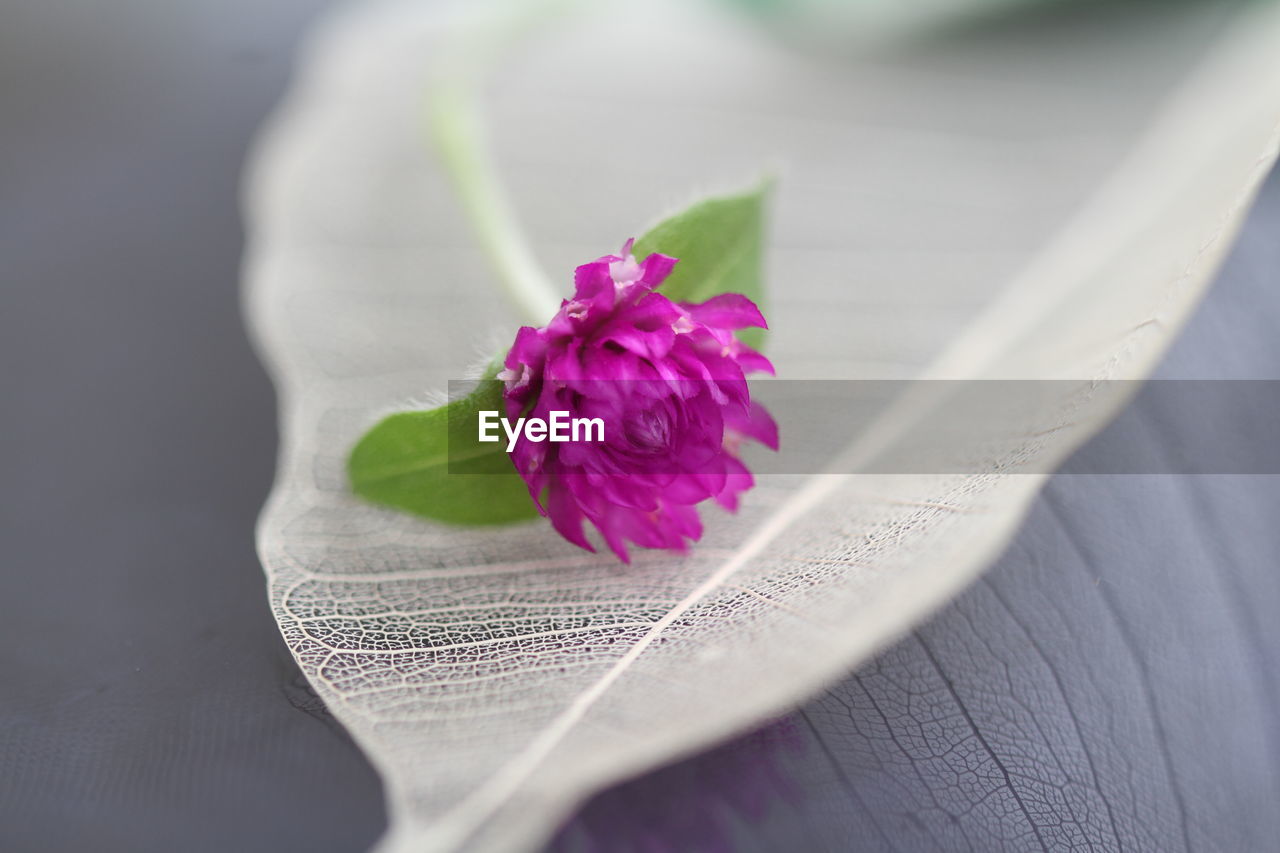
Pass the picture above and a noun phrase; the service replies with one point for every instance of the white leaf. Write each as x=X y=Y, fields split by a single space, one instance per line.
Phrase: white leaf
x=1045 y=200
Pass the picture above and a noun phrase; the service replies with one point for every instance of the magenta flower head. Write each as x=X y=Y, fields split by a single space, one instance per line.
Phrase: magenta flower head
x=666 y=381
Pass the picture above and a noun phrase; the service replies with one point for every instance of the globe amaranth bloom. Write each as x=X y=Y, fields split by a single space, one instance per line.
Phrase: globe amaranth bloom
x=668 y=381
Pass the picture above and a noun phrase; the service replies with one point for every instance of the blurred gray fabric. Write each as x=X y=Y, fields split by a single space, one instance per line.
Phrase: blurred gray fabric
x=1110 y=684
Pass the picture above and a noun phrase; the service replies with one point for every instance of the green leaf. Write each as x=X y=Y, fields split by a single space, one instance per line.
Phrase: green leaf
x=430 y=463
x=720 y=244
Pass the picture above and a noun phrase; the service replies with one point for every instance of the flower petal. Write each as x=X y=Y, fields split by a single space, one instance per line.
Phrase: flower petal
x=728 y=311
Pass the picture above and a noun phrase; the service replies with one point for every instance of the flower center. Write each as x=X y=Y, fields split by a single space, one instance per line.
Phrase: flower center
x=648 y=431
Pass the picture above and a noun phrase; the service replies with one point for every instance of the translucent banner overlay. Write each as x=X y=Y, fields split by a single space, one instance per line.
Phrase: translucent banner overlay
x=900 y=427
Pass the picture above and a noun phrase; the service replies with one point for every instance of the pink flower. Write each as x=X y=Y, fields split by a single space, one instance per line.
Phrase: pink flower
x=666 y=379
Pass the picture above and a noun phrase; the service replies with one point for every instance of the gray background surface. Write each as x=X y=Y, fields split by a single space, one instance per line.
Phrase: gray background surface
x=1110 y=684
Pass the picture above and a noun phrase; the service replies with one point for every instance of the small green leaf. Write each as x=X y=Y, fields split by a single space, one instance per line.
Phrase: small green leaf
x=720 y=244
x=430 y=463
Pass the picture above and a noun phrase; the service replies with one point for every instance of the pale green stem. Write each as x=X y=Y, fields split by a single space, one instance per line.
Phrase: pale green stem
x=458 y=131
